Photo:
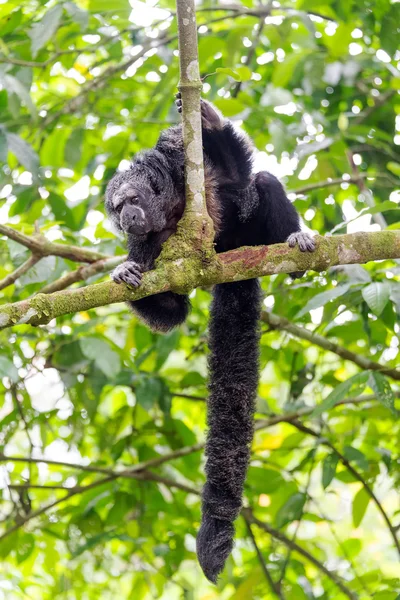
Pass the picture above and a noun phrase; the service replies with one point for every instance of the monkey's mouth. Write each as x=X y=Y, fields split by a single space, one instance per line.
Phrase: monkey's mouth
x=133 y=220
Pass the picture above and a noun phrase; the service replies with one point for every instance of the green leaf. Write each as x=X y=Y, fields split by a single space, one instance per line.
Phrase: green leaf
x=77 y=14
x=354 y=455
x=148 y=392
x=14 y=86
x=323 y=298
x=329 y=469
x=376 y=295
x=24 y=152
x=229 y=106
x=42 y=271
x=26 y=544
x=264 y=481
x=7 y=369
x=73 y=147
x=120 y=7
x=61 y=210
x=284 y=71
x=360 y=505
x=3 y=147
x=390 y=30
x=382 y=388
x=42 y=31
x=103 y=356
x=244 y=73
x=164 y=346
x=231 y=72
x=340 y=393
x=291 y=510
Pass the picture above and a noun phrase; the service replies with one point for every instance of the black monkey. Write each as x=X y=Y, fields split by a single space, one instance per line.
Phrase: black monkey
x=146 y=202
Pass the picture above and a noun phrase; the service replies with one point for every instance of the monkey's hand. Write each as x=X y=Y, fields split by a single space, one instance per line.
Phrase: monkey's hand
x=304 y=240
x=210 y=118
x=129 y=272
x=306 y=243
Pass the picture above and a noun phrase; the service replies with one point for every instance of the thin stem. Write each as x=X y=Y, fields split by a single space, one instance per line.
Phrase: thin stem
x=276 y=322
x=41 y=247
x=278 y=535
x=12 y=277
x=356 y=475
x=274 y=588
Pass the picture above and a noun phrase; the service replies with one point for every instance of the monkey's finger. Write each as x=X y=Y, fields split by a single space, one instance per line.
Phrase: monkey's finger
x=135 y=275
x=311 y=245
x=132 y=280
x=178 y=95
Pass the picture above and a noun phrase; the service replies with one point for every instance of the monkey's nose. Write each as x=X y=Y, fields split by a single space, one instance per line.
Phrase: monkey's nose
x=133 y=220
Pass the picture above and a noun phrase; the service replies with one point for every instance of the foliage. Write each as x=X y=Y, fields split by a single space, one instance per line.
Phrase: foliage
x=84 y=86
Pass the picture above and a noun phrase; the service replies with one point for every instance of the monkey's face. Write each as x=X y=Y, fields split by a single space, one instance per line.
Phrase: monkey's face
x=130 y=204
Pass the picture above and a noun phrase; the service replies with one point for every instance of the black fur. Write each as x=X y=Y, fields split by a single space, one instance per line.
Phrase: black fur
x=146 y=202
x=233 y=384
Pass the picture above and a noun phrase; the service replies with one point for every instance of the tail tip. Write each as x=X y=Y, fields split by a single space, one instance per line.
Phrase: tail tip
x=214 y=545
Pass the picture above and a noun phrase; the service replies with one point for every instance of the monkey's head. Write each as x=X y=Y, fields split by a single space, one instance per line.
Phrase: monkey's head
x=140 y=200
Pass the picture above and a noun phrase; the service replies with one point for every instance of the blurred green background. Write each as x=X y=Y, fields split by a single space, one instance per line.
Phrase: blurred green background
x=84 y=86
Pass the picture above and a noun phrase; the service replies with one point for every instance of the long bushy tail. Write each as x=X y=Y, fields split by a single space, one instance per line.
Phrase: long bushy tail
x=234 y=341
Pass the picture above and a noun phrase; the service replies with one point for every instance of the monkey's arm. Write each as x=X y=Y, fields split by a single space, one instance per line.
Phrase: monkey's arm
x=141 y=257
x=228 y=149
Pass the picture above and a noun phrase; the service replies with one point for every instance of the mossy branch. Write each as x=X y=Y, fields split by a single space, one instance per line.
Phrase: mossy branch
x=181 y=275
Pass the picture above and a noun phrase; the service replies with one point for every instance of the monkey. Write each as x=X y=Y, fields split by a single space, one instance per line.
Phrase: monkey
x=248 y=209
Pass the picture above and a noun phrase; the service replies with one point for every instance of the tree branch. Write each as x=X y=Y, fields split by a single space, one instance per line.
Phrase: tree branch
x=274 y=589
x=328 y=183
x=183 y=274
x=276 y=322
x=82 y=273
x=41 y=247
x=278 y=535
x=195 y=229
x=24 y=268
x=355 y=474
x=150 y=476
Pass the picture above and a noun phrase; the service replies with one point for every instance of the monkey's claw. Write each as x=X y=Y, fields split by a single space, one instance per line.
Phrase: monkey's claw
x=304 y=240
x=129 y=272
x=178 y=102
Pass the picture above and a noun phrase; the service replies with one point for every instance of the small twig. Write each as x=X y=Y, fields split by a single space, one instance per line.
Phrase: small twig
x=378 y=102
x=276 y=322
x=12 y=277
x=40 y=247
x=296 y=531
x=274 y=588
x=278 y=535
x=254 y=43
x=328 y=183
x=355 y=474
x=83 y=273
x=366 y=193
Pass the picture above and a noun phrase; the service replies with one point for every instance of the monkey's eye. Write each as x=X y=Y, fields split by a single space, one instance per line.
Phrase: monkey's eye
x=118 y=208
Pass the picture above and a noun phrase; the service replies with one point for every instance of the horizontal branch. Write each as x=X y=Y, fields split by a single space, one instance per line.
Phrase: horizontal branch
x=276 y=322
x=155 y=477
x=184 y=274
x=82 y=273
x=40 y=246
